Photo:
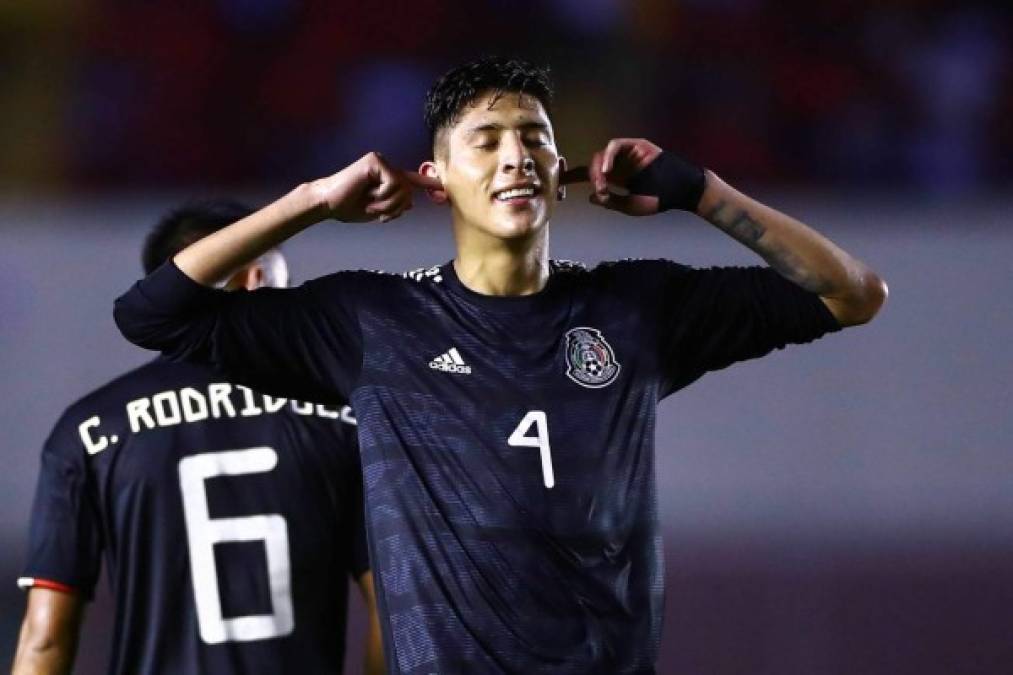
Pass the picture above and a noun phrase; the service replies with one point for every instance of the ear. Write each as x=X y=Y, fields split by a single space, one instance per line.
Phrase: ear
x=430 y=170
x=561 y=189
x=250 y=277
x=254 y=277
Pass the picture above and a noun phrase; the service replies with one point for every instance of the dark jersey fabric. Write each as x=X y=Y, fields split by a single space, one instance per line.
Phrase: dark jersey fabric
x=229 y=522
x=507 y=442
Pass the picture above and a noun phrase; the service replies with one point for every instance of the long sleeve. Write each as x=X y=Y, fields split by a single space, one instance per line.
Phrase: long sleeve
x=303 y=342
x=708 y=319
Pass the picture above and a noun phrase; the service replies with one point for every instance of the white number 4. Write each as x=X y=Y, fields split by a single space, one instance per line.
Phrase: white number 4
x=519 y=438
x=203 y=532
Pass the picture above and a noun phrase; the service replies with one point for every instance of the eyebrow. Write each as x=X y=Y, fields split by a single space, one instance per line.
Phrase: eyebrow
x=493 y=126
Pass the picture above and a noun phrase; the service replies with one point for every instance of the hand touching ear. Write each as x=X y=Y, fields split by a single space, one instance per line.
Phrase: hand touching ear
x=437 y=194
x=655 y=180
x=371 y=189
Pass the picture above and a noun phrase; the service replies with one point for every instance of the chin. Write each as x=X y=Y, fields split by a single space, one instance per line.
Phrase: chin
x=518 y=226
x=516 y=229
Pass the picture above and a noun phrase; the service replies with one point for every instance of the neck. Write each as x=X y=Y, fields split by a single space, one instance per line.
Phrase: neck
x=515 y=267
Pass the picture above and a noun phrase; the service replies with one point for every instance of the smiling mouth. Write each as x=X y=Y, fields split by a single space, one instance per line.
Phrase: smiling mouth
x=511 y=194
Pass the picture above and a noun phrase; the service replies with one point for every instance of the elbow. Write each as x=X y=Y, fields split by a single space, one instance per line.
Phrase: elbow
x=129 y=327
x=121 y=319
x=49 y=632
x=875 y=292
x=41 y=642
x=143 y=329
x=38 y=643
x=125 y=315
x=864 y=303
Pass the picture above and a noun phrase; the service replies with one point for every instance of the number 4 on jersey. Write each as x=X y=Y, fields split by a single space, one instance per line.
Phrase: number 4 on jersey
x=540 y=440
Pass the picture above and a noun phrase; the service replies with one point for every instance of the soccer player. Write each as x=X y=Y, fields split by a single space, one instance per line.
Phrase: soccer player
x=506 y=401
x=228 y=519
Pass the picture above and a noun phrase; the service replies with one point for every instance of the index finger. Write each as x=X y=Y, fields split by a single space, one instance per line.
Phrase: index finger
x=614 y=147
x=422 y=182
x=578 y=174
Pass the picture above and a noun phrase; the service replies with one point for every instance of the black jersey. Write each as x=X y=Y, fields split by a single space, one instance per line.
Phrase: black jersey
x=229 y=522
x=507 y=442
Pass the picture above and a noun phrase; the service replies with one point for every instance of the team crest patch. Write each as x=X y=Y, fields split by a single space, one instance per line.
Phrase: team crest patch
x=590 y=361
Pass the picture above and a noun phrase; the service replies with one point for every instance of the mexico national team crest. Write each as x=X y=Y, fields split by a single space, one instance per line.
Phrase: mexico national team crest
x=590 y=361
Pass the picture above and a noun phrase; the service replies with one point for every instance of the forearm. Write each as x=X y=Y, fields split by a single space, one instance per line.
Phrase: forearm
x=849 y=288
x=365 y=190
x=373 y=664
x=175 y=311
x=220 y=254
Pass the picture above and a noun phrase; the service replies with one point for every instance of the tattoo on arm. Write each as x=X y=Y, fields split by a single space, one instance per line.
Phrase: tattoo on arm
x=738 y=224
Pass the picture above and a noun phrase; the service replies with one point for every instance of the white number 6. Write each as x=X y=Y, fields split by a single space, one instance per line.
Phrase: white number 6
x=203 y=532
x=519 y=438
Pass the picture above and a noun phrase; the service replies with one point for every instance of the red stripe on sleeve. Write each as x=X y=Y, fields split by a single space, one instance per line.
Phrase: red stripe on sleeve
x=52 y=585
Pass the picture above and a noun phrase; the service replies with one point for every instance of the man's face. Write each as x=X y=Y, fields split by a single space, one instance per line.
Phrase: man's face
x=500 y=167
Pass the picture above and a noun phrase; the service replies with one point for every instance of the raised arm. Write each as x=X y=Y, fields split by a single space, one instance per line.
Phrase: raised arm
x=302 y=343
x=848 y=287
x=659 y=181
x=368 y=189
x=49 y=631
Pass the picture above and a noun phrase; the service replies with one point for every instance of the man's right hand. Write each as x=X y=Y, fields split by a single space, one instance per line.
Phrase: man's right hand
x=370 y=189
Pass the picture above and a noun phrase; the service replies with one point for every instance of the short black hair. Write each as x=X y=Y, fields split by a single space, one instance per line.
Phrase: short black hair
x=461 y=86
x=184 y=225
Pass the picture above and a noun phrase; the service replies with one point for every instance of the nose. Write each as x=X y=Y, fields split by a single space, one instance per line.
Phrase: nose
x=515 y=155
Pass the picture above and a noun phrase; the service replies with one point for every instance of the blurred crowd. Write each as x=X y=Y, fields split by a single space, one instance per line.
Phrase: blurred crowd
x=142 y=94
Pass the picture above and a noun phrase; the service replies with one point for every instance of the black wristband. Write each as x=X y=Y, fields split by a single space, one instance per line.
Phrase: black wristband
x=675 y=182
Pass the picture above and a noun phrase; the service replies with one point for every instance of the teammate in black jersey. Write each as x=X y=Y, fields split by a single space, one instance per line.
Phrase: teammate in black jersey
x=506 y=402
x=228 y=520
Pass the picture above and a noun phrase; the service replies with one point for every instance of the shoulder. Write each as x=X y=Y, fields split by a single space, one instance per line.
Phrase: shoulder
x=149 y=378
x=674 y=274
x=364 y=282
x=633 y=266
x=114 y=389
x=424 y=275
x=65 y=435
x=627 y=271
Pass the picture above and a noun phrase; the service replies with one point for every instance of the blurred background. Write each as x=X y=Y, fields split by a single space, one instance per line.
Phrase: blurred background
x=846 y=507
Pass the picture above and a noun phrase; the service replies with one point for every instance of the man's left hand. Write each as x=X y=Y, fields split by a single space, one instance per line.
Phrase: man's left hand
x=652 y=180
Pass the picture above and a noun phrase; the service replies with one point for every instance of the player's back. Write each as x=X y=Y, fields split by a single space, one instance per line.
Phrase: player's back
x=228 y=521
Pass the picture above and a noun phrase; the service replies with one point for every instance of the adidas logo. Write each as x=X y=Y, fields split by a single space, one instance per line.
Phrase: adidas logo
x=450 y=362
